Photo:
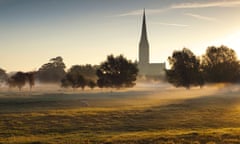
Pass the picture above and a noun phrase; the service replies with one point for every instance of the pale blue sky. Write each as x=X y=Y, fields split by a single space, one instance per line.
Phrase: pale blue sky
x=86 y=31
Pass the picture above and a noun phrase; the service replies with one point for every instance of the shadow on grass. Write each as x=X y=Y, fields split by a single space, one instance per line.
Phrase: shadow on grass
x=24 y=102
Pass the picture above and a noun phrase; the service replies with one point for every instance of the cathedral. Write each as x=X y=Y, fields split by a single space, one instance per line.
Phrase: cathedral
x=145 y=67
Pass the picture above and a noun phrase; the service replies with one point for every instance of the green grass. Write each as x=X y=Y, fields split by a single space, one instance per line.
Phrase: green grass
x=175 y=116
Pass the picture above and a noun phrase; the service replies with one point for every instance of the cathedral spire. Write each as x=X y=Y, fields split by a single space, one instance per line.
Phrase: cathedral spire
x=144 y=28
x=143 y=45
x=144 y=65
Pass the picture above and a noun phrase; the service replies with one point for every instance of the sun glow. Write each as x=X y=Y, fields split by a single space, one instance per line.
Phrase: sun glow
x=232 y=41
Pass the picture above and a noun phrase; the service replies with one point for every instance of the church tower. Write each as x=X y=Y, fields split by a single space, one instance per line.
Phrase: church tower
x=145 y=67
x=144 y=45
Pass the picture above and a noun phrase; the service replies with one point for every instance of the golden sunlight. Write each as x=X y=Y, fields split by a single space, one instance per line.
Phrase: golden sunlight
x=232 y=41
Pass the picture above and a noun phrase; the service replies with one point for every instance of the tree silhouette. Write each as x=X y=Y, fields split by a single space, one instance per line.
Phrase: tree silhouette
x=220 y=64
x=18 y=79
x=53 y=71
x=87 y=71
x=185 y=69
x=30 y=77
x=92 y=84
x=117 y=72
x=74 y=78
x=3 y=76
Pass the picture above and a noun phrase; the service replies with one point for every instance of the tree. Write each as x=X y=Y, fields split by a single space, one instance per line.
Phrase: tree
x=52 y=72
x=220 y=64
x=74 y=78
x=30 y=78
x=18 y=79
x=65 y=83
x=92 y=84
x=184 y=69
x=3 y=76
x=87 y=71
x=117 y=72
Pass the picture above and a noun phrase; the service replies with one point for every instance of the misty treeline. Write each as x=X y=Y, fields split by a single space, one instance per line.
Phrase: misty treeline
x=217 y=65
x=115 y=72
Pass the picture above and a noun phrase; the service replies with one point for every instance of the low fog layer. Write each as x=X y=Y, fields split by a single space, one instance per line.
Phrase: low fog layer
x=142 y=96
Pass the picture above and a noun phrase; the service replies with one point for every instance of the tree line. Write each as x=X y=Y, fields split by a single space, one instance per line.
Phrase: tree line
x=217 y=65
x=115 y=72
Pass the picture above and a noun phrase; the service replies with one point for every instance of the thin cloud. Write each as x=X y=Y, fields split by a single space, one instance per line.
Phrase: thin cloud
x=172 y=24
x=223 y=3
x=131 y=13
x=217 y=3
x=200 y=17
x=140 y=12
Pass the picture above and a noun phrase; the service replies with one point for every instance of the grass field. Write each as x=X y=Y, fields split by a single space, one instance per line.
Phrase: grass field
x=156 y=115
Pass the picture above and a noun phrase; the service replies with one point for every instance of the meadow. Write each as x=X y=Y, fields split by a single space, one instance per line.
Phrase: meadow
x=156 y=114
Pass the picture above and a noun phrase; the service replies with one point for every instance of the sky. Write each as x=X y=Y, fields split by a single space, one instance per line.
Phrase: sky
x=86 y=31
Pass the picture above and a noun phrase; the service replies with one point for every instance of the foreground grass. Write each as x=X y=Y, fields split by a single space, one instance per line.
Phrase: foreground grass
x=206 y=136
x=122 y=117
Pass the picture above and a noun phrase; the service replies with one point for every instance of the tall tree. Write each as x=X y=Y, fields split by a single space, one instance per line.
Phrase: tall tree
x=74 y=78
x=220 y=64
x=52 y=72
x=184 y=69
x=117 y=72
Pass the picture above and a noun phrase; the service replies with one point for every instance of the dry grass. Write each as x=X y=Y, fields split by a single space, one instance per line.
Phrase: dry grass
x=154 y=115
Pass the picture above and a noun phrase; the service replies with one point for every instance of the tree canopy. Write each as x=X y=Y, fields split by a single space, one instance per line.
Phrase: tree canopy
x=87 y=71
x=184 y=69
x=19 y=79
x=220 y=64
x=117 y=72
x=74 y=78
x=52 y=72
